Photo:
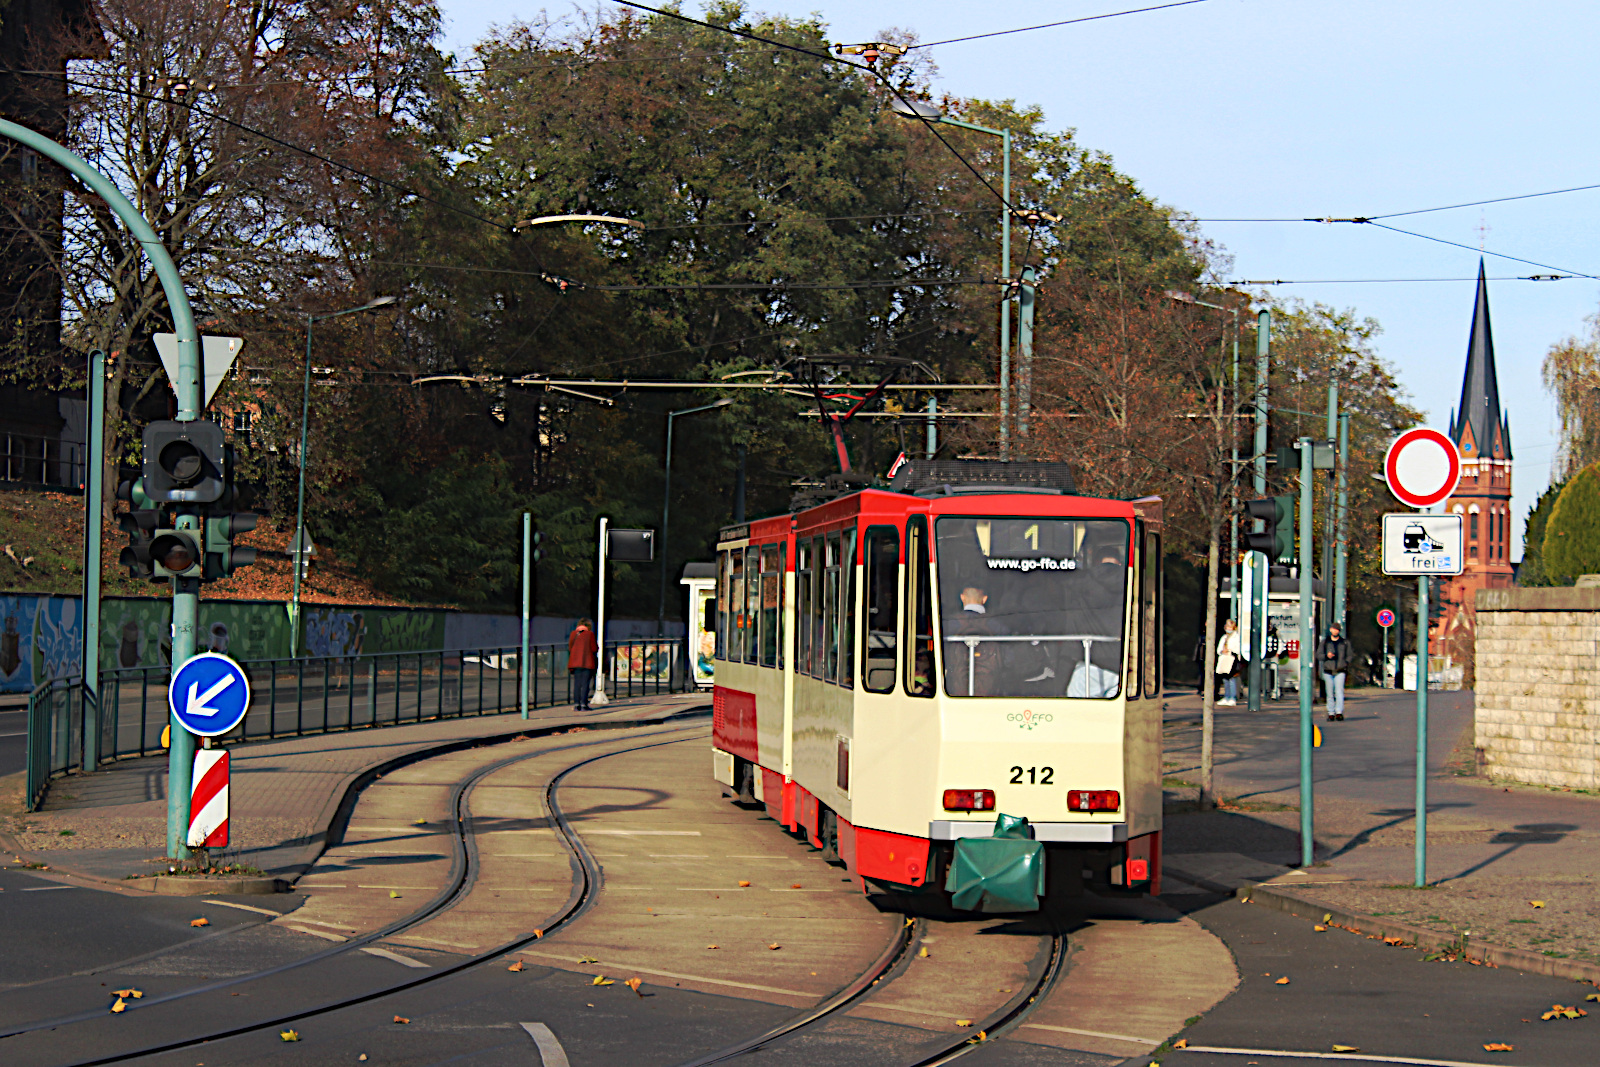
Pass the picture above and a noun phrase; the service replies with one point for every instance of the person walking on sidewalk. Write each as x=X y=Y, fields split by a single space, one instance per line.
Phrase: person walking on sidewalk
x=1333 y=659
x=1227 y=664
x=583 y=656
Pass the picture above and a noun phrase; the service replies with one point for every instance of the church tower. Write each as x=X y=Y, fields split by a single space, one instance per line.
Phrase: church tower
x=1482 y=433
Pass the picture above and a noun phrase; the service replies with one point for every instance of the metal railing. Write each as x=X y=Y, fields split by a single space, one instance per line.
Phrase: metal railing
x=317 y=695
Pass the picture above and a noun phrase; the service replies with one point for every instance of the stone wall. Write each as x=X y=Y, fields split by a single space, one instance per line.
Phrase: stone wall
x=1538 y=685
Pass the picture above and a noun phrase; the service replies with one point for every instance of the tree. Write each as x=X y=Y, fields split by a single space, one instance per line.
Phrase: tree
x=1531 y=571
x=1572 y=375
x=1572 y=534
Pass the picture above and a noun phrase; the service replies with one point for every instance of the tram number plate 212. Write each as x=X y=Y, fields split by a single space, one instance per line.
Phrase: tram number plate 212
x=1036 y=775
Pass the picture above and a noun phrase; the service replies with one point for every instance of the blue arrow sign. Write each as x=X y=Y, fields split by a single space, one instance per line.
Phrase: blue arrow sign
x=209 y=694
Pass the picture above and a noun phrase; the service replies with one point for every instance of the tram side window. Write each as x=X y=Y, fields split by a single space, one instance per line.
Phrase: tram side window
x=735 y=608
x=771 y=586
x=721 y=606
x=1135 y=659
x=919 y=611
x=1150 y=609
x=847 y=605
x=814 y=616
x=880 y=620
x=830 y=611
x=752 y=592
x=802 y=592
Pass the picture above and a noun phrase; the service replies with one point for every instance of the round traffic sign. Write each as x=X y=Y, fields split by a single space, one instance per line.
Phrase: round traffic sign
x=1385 y=618
x=1422 y=467
x=209 y=694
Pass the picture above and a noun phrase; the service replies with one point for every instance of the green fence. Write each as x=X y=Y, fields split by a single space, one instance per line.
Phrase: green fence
x=317 y=695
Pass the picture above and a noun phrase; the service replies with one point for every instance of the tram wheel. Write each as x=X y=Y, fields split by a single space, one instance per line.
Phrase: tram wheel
x=746 y=778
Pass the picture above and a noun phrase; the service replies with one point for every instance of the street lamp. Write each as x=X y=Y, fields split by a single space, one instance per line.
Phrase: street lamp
x=666 y=504
x=299 y=544
x=921 y=109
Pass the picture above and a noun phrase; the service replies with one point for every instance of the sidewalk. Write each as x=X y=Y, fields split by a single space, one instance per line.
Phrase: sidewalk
x=1493 y=849
x=284 y=794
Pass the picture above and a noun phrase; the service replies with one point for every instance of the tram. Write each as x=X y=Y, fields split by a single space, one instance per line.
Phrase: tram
x=896 y=669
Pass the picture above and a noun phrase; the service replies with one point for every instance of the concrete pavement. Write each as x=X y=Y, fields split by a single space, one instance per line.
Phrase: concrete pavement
x=286 y=794
x=1493 y=849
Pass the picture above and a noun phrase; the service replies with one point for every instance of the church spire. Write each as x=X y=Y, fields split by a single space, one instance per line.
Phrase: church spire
x=1479 y=428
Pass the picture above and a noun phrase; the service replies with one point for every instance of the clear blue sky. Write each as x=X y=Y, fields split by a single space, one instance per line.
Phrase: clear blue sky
x=1291 y=108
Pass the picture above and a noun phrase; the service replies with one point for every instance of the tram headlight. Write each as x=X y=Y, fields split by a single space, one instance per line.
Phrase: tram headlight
x=1094 y=800
x=969 y=800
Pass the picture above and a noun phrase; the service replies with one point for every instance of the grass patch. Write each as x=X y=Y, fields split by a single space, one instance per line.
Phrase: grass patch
x=1237 y=804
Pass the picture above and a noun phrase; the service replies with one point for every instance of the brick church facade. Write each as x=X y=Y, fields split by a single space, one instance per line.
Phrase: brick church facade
x=1482 y=433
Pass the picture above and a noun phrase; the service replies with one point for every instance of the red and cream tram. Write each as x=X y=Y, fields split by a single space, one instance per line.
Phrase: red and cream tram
x=894 y=669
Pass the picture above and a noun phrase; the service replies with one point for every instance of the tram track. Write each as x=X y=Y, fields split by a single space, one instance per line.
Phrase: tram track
x=586 y=883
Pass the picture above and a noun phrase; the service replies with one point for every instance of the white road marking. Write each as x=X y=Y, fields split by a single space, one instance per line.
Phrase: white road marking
x=1152 y=1042
x=414 y=831
x=321 y=885
x=16 y=733
x=680 y=855
x=48 y=888
x=432 y=940
x=521 y=855
x=419 y=888
x=1325 y=1056
x=313 y=922
x=386 y=954
x=685 y=977
x=551 y=1054
x=645 y=833
x=247 y=907
x=316 y=933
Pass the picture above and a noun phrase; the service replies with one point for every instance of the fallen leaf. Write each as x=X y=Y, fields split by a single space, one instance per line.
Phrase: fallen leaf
x=1327 y=917
x=797 y=885
x=923 y=952
x=711 y=946
x=119 y=1007
x=1282 y=981
x=1182 y=1042
x=515 y=966
x=1319 y=928
x=202 y=921
x=1345 y=1048
x=289 y=1035
x=1537 y=903
x=363 y=1056
x=601 y=979
x=634 y=984
x=420 y=822
x=1393 y=941
x=963 y=1022
x=538 y=934
x=1592 y=996
x=134 y=993
x=774 y=946
x=1499 y=1046
x=588 y=959
x=393 y=894
x=401 y=1019
x=744 y=885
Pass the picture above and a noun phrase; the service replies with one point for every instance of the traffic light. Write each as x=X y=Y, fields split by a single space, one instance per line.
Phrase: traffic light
x=1436 y=604
x=183 y=462
x=538 y=553
x=1277 y=540
x=222 y=556
x=176 y=554
x=139 y=523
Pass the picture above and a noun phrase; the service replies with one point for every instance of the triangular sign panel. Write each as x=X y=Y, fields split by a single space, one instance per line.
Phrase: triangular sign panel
x=217 y=355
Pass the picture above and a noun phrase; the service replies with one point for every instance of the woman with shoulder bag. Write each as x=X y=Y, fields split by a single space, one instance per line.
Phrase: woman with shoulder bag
x=1227 y=664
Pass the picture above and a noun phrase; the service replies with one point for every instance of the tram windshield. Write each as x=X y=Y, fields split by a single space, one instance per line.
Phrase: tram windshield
x=1032 y=607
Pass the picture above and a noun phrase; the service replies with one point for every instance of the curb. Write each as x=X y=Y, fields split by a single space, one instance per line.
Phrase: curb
x=335 y=814
x=1481 y=952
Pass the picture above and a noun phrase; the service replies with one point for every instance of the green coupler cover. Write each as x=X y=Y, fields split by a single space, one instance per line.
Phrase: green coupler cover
x=1003 y=873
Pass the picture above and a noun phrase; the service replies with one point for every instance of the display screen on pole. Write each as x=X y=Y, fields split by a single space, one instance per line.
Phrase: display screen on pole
x=631 y=546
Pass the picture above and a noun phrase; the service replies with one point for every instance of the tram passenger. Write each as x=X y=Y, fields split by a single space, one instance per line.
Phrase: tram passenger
x=984 y=656
x=1096 y=614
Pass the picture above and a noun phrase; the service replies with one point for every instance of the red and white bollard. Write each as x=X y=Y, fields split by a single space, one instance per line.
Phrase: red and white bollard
x=208 y=799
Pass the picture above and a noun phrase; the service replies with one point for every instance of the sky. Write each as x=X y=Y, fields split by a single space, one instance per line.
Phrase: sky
x=1268 y=109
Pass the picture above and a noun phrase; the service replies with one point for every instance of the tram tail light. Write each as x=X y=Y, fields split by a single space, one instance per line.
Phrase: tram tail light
x=969 y=800
x=1094 y=800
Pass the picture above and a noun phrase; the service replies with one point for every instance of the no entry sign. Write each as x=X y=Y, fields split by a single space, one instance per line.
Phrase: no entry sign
x=1422 y=468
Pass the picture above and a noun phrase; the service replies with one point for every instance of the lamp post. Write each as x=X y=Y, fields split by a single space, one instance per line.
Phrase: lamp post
x=1233 y=457
x=666 y=505
x=918 y=109
x=299 y=545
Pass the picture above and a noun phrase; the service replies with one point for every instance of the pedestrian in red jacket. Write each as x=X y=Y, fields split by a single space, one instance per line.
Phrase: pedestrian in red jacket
x=583 y=653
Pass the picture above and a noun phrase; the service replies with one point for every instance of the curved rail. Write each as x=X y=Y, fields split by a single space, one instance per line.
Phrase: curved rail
x=586 y=881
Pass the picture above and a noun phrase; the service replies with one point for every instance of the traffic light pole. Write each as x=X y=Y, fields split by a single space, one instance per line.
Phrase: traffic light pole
x=1307 y=653
x=527 y=573
x=1261 y=570
x=94 y=476
x=599 y=699
x=186 y=592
